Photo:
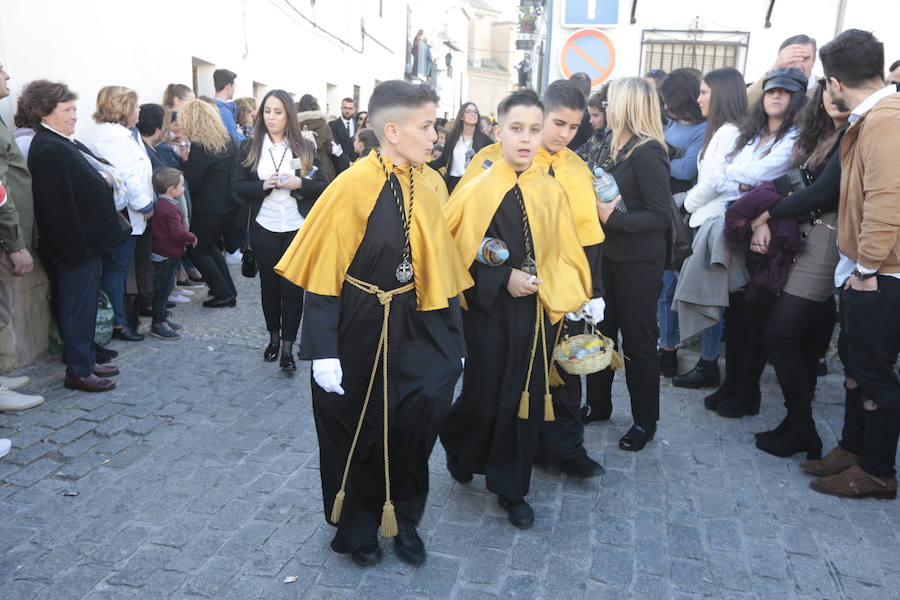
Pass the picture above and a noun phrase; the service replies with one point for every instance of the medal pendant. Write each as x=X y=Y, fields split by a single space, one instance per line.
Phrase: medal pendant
x=404 y=271
x=529 y=266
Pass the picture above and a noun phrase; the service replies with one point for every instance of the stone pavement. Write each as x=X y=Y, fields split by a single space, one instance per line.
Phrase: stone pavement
x=197 y=477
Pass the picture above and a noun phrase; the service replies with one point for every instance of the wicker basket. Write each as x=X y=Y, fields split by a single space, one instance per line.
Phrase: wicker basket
x=592 y=363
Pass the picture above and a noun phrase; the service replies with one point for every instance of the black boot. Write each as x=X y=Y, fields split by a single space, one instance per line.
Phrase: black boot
x=668 y=362
x=800 y=435
x=132 y=306
x=704 y=374
x=779 y=430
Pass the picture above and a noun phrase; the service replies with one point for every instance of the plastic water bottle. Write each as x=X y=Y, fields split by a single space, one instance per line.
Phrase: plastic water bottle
x=605 y=185
x=492 y=252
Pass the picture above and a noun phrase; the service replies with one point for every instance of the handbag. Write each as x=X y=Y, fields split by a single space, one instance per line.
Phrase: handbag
x=682 y=238
x=249 y=267
x=792 y=182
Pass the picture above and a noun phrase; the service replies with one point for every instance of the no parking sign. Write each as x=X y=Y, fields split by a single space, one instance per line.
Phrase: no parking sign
x=589 y=51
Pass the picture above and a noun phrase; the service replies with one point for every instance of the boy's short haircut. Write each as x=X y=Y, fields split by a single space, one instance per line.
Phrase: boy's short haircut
x=526 y=97
x=393 y=95
x=563 y=93
x=164 y=178
x=222 y=77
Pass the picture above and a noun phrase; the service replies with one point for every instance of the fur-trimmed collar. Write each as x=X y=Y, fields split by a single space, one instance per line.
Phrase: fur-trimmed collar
x=308 y=115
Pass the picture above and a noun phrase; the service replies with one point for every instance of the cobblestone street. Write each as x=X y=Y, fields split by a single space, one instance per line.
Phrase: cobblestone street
x=198 y=477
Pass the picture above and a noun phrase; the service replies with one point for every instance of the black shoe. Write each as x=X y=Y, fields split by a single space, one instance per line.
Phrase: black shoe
x=198 y=279
x=582 y=467
x=228 y=302
x=779 y=430
x=408 y=545
x=668 y=362
x=145 y=311
x=637 y=437
x=287 y=362
x=741 y=403
x=170 y=304
x=367 y=556
x=520 y=512
x=127 y=333
x=103 y=355
x=456 y=473
x=589 y=414
x=797 y=437
x=271 y=352
x=821 y=368
x=705 y=374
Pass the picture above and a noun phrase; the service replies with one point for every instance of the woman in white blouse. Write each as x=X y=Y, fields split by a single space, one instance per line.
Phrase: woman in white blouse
x=279 y=177
x=116 y=113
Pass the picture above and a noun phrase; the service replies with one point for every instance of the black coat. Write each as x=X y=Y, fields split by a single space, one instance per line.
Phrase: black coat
x=248 y=187
x=73 y=204
x=642 y=233
x=209 y=177
x=343 y=139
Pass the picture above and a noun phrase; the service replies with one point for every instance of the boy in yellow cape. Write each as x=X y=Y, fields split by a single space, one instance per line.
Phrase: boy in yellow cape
x=562 y=441
x=382 y=326
x=493 y=426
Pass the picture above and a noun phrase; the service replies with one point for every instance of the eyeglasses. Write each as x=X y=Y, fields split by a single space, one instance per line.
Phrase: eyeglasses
x=470 y=111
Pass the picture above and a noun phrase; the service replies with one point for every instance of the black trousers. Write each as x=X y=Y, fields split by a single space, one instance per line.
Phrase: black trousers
x=632 y=290
x=163 y=284
x=793 y=333
x=206 y=255
x=144 y=271
x=827 y=322
x=79 y=289
x=872 y=324
x=282 y=301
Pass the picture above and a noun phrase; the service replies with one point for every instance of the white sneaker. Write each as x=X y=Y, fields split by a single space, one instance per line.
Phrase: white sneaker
x=5 y=445
x=183 y=292
x=10 y=400
x=234 y=258
x=14 y=383
x=179 y=298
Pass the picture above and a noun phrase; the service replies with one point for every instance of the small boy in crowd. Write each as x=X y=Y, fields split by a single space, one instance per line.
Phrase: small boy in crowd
x=169 y=240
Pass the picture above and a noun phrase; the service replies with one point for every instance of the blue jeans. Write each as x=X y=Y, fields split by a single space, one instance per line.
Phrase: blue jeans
x=116 y=262
x=668 y=319
x=710 y=338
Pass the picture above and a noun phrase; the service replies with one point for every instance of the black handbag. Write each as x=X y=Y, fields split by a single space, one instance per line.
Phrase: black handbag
x=682 y=238
x=792 y=182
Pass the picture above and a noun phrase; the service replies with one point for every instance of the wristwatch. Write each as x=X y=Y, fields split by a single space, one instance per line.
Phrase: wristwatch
x=860 y=275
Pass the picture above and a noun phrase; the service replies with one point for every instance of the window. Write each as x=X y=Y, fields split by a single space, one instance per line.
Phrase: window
x=202 y=77
x=259 y=90
x=356 y=95
x=701 y=50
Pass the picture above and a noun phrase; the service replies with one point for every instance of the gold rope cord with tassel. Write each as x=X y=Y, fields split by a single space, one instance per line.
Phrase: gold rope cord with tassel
x=556 y=379
x=388 y=516
x=525 y=398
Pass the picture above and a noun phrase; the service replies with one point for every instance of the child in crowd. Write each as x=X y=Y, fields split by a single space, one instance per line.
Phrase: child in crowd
x=169 y=240
x=493 y=427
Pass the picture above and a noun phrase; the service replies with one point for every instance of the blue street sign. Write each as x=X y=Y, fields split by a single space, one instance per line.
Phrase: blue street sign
x=590 y=13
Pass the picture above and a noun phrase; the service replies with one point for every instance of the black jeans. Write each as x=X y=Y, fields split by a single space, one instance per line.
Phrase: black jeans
x=792 y=338
x=872 y=322
x=282 y=301
x=163 y=283
x=79 y=291
x=632 y=290
x=207 y=256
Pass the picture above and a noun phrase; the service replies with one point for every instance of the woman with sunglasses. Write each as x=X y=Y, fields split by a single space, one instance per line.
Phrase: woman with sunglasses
x=463 y=141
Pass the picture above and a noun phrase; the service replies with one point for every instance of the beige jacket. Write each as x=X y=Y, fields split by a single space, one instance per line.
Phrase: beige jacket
x=869 y=212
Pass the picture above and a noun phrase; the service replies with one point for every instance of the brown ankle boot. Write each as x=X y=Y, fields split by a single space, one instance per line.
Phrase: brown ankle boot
x=834 y=462
x=856 y=483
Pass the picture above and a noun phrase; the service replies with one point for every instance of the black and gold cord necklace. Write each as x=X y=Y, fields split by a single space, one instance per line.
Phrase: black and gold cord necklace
x=404 y=272
x=528 y=264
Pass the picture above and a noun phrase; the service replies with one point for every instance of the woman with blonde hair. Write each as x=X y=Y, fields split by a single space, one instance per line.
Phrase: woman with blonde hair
x=634 y=255
x=117 y=112
x=207 y=172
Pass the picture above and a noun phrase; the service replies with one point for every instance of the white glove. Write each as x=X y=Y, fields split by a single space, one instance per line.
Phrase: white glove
x=594 y=309
x=328 y=375
x=463 y=360
x=578 y=314
x=336 y=149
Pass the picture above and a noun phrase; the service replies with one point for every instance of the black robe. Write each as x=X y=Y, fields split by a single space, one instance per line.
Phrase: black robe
x=482 y=432
x=424 y=363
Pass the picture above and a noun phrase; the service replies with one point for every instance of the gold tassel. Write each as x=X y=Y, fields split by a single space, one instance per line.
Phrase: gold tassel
x=616 y=362
x=556 y=379
x=548 y=408
x=524 y=401
x=388 y=520
x=338 y=506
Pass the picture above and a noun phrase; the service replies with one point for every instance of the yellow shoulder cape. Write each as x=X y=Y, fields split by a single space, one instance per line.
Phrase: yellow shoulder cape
x=575 y=177
x=569 y=170
x=482 y=161
x=320 y=254
x=561 y=263
x=436 y=180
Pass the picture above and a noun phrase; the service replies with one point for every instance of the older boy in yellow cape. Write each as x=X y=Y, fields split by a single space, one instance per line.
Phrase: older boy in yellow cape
x=493 y=426
x=382 y=327
x=562 y=441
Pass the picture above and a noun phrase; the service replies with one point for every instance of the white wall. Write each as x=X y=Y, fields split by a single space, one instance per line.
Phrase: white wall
x=146 y=45
x=816 y=18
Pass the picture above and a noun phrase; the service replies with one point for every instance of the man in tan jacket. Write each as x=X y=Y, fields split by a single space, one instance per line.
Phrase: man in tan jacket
x=863 y=465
